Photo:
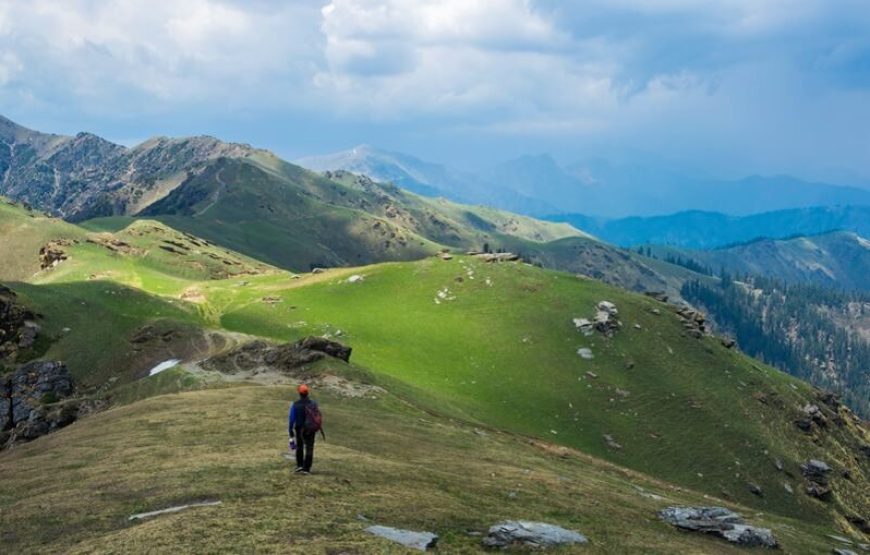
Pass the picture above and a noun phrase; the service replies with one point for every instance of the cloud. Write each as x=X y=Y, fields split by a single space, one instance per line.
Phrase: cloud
x=672 y=75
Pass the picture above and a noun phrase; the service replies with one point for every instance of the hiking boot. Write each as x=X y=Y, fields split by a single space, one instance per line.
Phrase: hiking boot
x=299 y=469
x=303 y=471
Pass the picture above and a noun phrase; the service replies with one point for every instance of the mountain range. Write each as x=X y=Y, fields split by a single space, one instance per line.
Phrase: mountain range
x=704 y=230
x=538 y=185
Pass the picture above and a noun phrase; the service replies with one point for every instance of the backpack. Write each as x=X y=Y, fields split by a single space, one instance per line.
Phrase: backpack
x=313 y=419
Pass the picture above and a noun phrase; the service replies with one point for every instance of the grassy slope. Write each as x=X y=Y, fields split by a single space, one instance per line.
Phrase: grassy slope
x=506 y=355
x=500 y=355
x=71 y=492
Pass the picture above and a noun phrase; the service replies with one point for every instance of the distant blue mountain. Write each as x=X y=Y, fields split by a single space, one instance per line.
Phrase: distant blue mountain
x=702 y=230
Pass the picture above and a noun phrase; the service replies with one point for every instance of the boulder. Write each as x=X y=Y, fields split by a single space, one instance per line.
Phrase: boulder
x=420 y=541
x=520 y=533
x=816 y=471
x=721 y=522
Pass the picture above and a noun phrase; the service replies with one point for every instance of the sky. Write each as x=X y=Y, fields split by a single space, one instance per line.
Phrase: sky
x=727 y=87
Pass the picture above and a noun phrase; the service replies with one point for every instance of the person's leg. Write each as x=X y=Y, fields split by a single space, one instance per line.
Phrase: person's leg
x=300 y=449
x=309 y=449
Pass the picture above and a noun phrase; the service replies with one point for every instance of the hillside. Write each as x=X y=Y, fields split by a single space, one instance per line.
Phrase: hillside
x=490 y=344
x=705 y=230
x=838 y=260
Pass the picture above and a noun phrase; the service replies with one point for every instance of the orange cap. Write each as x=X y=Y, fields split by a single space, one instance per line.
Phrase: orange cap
x=302 y=389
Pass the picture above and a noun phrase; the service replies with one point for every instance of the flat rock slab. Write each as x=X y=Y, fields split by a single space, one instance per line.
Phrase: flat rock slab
x=141 y=516
x=721 y=522
x=415 y=540
x=532 y=534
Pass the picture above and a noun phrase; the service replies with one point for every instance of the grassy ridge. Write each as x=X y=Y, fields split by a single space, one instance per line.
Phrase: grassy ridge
x=72 y=492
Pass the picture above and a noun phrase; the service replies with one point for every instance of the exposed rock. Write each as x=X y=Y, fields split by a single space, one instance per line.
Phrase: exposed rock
x=840 y=551
x=816 y=471
x=53 y=253
x=519 y=533
x=720 y=522
x=728 y=342
x=860 y=523
x=608 y=439
x=814 y=413
x=34 y=400
x=755 y=489
x=355 y=278
x=583 y=325
x=420 y=541
x=18 y=328
x=660 y=296
x=585 y=353
x=818 y=491
x=605 y=320
x=694 y=321
x=497 y=256
x=285 y=358
x=445 y=256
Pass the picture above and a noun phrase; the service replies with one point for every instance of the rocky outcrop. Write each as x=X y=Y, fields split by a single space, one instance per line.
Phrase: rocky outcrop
x=721 y=522
x=35 y=400
x=52 y=253
x=605 y=320
x=816 y=472
x=497 y=256
x=522 y=533
x=694 y=322
x=285 y=358
x=18 y=327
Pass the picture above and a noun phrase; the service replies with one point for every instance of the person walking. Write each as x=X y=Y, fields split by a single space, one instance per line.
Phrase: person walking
x=304 y=423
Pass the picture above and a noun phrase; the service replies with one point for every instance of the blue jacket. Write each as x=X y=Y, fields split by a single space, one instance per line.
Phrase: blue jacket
x=296 y=416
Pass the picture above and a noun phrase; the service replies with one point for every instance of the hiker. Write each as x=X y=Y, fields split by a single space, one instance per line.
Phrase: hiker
x=305 y=422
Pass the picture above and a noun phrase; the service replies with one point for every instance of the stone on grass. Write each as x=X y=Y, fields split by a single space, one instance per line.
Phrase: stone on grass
x=420 y=541
x=585 y=353
x=531 y=534
x=721 y=522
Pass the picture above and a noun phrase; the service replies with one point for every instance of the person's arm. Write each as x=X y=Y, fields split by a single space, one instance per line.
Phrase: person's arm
x=291 y=419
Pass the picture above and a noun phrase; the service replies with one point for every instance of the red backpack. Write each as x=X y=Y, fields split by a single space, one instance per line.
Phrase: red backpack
x=313 y=419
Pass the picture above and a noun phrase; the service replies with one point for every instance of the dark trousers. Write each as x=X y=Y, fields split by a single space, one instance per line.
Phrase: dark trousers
x=304 y=448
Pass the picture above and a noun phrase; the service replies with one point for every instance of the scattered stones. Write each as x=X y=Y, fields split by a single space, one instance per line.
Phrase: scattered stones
x=318 y=270
x=755 y=489
x=35 y=400
x=517 y=533
x=420 y=541
x=355 y=278
x=788 y=487
x=839 y=551
x=728 y=342
x=721 y=522
x=814 y=413
x=445 y=256
x=592 y=375
x=585 y=353
x=608 y=439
